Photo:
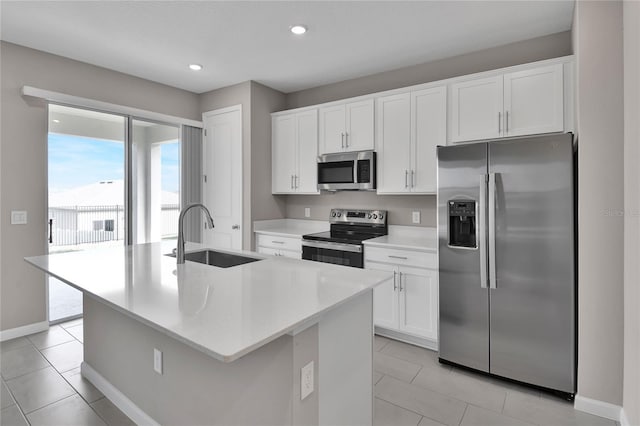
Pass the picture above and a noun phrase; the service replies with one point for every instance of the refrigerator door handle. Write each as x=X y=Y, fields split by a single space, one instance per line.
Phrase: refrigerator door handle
x=492 y=231
x=481 y=229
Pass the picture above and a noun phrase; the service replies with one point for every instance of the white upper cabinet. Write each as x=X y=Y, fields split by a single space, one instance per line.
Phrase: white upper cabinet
x=294 y=153
x=409 y=127
x=283 y=151
x=347 y=127
x=520 y=103
x=428 y=130
x=394 y=143
x=332 y=128
x=476 y=109
x=533 y=101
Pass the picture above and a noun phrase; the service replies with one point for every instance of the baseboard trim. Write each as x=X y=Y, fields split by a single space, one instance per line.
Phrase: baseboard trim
x=413 y=340
x=118 y=399
x=624 y=421
x=25 y=330
x=598 y=408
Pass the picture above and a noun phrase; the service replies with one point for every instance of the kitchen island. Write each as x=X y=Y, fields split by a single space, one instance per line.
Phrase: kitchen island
x=233 y=341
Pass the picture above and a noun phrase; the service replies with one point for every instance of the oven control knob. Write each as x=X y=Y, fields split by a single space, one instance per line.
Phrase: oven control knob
x=381 y=217
x=369 y=216
x=333 y=214
x=375 y=216
x=339 y=214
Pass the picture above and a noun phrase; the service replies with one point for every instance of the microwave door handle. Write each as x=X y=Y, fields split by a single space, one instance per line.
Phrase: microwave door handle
x=355 y=171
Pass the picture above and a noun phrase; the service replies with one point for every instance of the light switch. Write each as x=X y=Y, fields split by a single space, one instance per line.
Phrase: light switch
x=307 y=212
x=18 y=217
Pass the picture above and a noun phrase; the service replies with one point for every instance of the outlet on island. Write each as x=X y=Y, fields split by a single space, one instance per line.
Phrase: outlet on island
x=306 y=380
x=157 y=361
x=415 y=217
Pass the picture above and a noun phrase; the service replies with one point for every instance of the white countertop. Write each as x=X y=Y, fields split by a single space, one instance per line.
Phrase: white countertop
x=289 y=227
x=225 y=313
x=407 y=238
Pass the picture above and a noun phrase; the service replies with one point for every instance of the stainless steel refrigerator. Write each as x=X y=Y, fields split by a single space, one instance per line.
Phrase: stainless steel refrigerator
x=506 y=230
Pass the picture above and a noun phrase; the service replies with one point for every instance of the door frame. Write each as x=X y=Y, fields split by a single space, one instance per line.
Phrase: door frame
x=213 y=113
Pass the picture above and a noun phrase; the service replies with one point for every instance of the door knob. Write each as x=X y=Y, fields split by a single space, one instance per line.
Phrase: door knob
x=235 y=227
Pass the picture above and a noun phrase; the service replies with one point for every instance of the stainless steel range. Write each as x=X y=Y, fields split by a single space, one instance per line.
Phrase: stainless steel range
x=342 y=245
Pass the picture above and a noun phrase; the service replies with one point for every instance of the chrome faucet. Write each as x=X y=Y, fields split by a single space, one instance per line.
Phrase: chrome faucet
x=180 y=247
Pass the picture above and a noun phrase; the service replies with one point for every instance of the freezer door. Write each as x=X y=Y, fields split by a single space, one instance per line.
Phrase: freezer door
x=464 y=298
x=533 y=303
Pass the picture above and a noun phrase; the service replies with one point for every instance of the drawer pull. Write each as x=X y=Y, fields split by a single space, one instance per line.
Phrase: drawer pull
x=398 y=257
x=277 y=242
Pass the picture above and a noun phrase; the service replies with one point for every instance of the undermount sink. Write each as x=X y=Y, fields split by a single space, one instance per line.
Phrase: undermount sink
x=217 y=258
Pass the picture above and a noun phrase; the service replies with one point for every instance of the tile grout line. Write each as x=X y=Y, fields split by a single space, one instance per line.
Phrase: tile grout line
x=463 y=414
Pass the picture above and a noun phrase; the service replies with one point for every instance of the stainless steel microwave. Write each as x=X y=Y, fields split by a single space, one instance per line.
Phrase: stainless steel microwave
x=347 y=171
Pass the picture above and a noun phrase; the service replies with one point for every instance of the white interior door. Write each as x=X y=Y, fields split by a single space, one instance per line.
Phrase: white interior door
x=222 y=183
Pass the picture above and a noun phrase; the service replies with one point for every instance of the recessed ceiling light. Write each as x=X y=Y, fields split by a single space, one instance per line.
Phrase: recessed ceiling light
x=195 y=67
x=298 y=29
x=56 y=121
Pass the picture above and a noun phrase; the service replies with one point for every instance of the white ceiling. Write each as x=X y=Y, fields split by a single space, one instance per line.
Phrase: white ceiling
x=238 y=41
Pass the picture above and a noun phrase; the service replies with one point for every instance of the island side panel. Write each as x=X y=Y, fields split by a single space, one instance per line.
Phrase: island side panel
x=346 y=364
x=194 y=388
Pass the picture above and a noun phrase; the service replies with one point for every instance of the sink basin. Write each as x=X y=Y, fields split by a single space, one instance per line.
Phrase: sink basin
x=217 y=258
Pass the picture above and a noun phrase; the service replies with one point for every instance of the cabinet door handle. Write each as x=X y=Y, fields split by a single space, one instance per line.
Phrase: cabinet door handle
x=291 y=183
x=397 y=257
x=342 y=139
x=499 y=122
x=395 y=282
x=277 y=242
x=413 y=175
x=406 y=178
x=346 y=139
x=506 y=122
x=400 y=280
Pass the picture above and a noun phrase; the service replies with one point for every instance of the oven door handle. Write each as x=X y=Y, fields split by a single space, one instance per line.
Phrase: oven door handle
x=354 y=248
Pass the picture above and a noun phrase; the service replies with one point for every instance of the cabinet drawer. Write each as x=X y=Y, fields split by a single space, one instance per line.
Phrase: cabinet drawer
x=401 y=257
x=277 y=252
x=283 y=243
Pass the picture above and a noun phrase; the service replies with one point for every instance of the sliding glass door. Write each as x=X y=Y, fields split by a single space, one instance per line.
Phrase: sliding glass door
x=89 y=155
x=86 y=191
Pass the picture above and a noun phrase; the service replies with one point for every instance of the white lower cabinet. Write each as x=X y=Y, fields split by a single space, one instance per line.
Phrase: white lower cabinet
x=279 y=246
x=409 y=303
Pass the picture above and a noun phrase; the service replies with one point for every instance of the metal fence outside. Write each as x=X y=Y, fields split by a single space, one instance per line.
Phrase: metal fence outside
x=74 y=225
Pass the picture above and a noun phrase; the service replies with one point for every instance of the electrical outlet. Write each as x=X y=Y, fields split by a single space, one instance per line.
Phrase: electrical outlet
x=415 y=217
x=157 y=361
x=306 y=381
x=307 y=212
x=18 y=217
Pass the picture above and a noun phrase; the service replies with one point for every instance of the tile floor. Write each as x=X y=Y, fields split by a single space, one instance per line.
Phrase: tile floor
x=42 y=385
x=413 y=388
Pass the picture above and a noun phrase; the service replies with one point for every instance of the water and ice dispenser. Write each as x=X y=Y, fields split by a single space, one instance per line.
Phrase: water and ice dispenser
x=462 y=223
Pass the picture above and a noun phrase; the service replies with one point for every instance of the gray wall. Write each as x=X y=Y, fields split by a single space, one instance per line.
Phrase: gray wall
x=401 y=206
x=521 y=52
x=258 y=102
x=23 y=167
x=598 y=47
x=264 y=101
x=631 y=24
